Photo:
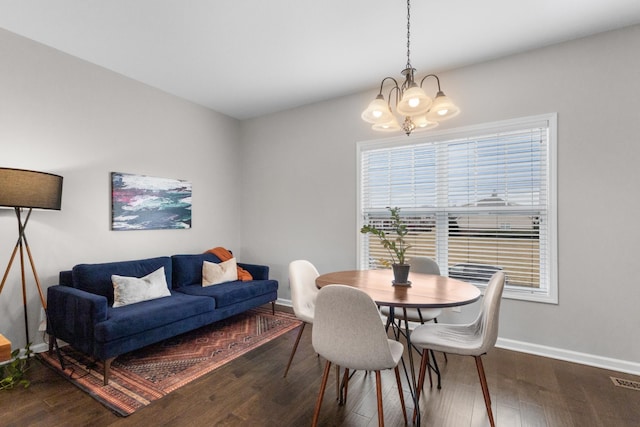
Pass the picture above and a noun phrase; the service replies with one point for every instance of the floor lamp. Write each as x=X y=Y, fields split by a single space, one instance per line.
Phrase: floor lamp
x=27 y=189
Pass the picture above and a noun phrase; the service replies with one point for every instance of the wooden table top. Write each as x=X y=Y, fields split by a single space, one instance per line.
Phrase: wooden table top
x=426 y=290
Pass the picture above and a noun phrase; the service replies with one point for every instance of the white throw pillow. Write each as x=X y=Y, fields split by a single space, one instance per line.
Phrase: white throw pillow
x=216 y=273
x=129 y=290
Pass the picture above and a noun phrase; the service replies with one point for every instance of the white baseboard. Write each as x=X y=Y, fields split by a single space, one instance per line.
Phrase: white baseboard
x=571 y=356
x=39 y=348
x=284 y=302
x=625 y=366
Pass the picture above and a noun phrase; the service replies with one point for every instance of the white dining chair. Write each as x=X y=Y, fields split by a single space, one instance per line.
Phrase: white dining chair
x=347 y=332
x=473 y=339
x=302 y=280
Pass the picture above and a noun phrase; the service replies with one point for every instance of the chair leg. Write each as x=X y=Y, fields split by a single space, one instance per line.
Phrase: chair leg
x=323 y=386
x=485 y=389
x=295 y=347
x=401 y=394
x=345 y=382
x=424 y=366
x=379 y=395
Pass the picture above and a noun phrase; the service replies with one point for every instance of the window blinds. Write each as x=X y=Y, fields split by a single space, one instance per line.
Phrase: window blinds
x=477 y=202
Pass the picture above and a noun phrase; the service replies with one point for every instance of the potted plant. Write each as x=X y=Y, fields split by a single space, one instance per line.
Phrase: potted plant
x=396 y=246
x=14 y=372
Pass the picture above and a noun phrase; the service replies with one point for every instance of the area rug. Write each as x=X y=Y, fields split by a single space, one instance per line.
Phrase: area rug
x=142 y=376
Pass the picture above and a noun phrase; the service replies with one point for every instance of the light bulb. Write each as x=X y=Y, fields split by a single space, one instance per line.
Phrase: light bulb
x=442 y=108
x=413 y=102
x=377 y=112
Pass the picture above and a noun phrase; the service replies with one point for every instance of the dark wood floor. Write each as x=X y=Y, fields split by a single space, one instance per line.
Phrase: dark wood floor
x=526 y=391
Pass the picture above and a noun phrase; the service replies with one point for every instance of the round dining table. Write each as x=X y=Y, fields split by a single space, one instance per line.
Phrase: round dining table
x=422 y=291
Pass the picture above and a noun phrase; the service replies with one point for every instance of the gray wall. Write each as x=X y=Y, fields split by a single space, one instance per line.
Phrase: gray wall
x=283 y=186
x=302 y=184
x=66 y=116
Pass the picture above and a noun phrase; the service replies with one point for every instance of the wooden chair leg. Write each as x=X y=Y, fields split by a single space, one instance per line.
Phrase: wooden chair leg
x=379 y=395
x=485 y=389
x=401 y=394
x=424 y=367
x=323 y=386
x=295 y=347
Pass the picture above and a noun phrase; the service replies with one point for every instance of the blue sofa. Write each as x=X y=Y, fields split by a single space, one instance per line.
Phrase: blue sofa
x=80 y=310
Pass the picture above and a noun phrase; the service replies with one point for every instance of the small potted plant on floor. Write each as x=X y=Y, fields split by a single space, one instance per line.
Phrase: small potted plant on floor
x=396 y=246
x=13 y=373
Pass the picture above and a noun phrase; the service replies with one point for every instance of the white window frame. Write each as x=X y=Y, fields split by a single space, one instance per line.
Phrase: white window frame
x=549 y=295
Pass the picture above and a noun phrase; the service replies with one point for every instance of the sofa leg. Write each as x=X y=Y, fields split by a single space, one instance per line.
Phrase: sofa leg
x=107 y=369
x=273 y=307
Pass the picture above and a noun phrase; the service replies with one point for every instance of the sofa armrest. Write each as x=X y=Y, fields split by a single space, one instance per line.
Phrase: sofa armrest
x=72 y=315
x=259 y=272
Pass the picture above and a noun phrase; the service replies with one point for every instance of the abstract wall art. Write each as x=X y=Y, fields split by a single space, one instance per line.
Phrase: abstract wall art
x=141 y=202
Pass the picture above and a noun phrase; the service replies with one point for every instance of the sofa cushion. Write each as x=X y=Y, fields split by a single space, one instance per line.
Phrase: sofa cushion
x=187 y=269
x=214 y=273
x=96 y=278
x=130 y=290
x=147 y=315
x=232 y=292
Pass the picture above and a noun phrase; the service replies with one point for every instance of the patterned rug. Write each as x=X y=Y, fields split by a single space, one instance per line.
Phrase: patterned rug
x=142 y=376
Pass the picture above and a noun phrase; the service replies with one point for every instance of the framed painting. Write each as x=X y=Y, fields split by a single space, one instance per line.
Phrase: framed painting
x=141 y=202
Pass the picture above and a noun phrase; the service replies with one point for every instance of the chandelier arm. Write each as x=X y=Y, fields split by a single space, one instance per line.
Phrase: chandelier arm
x=431 y=75
x=398 y=94
x=385 y=79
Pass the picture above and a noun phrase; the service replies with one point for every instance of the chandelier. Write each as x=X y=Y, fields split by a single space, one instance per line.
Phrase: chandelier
x=409 y=100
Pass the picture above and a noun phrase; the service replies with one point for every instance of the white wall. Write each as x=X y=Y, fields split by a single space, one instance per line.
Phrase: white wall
x=299 y=187
x=63 y=115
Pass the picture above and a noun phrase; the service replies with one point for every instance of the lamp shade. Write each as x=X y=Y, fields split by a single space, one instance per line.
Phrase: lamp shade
x=414 y=102
x=390 y=126
x=423 y=123
x=442 y=108
x=21 y=188
x=377 y=112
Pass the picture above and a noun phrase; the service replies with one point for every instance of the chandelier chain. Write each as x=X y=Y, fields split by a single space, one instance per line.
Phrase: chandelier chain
x=408 y=33
x=411 y=102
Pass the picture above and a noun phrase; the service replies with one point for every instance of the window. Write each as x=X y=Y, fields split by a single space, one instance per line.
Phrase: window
x=477 y=200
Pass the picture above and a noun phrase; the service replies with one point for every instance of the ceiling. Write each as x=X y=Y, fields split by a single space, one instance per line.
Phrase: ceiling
x=247 y=58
